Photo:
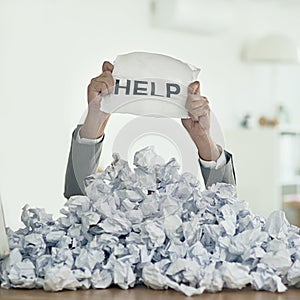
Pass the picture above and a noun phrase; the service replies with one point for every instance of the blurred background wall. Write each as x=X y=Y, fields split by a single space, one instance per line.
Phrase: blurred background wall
x=51 y=49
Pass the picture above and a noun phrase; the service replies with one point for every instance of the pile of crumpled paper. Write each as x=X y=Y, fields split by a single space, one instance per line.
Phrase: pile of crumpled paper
x=152 y=226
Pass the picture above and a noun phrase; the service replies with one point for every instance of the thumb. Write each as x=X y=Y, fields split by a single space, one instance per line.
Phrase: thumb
x=194 y=88
x=107 y=66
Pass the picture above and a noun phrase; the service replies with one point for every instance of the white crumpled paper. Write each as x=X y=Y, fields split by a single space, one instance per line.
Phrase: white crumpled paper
x=163 y=232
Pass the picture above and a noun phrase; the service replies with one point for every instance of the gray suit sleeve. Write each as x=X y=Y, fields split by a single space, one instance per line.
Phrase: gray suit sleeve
x=83 y=161
x=224 y=174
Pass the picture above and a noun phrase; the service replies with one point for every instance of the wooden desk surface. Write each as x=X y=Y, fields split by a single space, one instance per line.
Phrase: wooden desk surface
x=142 y=293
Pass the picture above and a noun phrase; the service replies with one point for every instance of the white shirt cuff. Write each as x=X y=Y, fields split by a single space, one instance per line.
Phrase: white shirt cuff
x=215 y=164
x=85 y=141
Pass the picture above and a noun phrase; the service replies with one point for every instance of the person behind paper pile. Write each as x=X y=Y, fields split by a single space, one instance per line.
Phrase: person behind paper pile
x=215 y=163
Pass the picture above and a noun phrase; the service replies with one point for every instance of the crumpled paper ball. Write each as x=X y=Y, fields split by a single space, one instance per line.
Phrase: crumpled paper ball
x=153 y=226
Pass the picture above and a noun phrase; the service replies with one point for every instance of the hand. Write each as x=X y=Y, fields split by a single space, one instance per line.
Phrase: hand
x=96 y=119
x=198 y=125
x=100 y=86
x=199 y=111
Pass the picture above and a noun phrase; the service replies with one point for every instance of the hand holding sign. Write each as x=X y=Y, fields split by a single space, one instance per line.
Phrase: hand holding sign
x=199 y=110
x=102 y=84
x=152 y=85
x=198 y=125
x=96 y=119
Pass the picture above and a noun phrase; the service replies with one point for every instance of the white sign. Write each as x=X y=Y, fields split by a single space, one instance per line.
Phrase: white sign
x=150 y=84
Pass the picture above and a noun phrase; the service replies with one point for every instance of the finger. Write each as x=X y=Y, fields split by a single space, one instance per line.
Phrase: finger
x=193 y=119
x=194 y=88
x=101 y=82
x=99 y=85
x=193 y=97
x=193 y=109
x=200 y=112
x=108 y=78
x=105 y=78
x=190 y=100
x=202 y=108
x=97 y=88
x=193 y=103
x=107 y=66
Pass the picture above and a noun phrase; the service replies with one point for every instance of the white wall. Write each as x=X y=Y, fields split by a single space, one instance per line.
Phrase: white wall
x=50 y=50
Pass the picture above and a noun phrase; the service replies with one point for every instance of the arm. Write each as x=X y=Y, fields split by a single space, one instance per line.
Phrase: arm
x=225 y=173
x=216 y=164
x=86 y=144
x=83 y=161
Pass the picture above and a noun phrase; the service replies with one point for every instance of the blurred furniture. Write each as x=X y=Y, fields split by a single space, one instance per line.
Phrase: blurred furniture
x=267 y=163
x=290 y=174
x=256 y=156
x=273 y=156
x=292 y=211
